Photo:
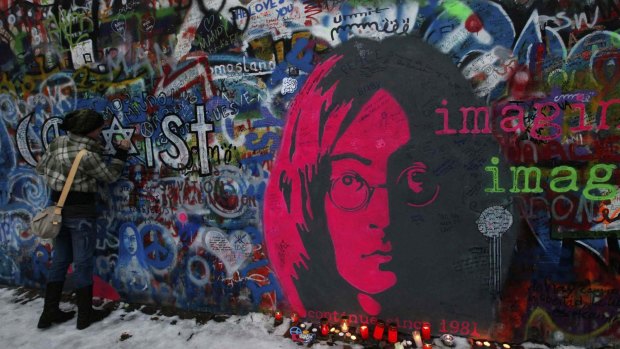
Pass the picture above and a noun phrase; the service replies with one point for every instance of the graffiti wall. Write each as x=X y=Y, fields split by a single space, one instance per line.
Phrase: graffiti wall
x=445 y=161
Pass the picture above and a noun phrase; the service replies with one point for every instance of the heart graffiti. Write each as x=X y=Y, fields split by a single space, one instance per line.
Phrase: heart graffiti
x=232 y=249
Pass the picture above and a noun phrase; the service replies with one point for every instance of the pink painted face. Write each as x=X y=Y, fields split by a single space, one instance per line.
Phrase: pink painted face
x=357 y=203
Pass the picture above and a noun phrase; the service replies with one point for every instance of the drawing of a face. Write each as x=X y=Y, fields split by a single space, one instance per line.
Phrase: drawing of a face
x=366 y=200
x=130 y=241
x=357 y=202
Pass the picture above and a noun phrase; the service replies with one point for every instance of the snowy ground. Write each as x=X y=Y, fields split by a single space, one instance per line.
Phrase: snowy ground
x=124 y=328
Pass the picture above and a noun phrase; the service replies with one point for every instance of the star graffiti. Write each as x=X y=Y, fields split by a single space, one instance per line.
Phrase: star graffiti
x=116 y=129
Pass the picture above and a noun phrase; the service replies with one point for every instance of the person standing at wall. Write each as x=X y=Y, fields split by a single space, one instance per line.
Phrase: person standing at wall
x=76 y=240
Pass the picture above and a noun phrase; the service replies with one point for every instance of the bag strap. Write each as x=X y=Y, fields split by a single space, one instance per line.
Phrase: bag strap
x=65 y=189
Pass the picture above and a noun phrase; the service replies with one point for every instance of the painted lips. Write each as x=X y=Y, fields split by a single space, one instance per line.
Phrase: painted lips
x=382 y=254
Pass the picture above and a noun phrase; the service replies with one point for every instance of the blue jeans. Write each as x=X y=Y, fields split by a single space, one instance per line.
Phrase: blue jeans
x=75 y=243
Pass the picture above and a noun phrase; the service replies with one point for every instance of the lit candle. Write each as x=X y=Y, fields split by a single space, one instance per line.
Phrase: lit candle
x=277 y=318
x=324 y=326
x=426 y=331
x=428 y=346
x=344 y=323
x=417 y=339
x=392 y=333
x=364 y=332
x=294 y=318
x=379 y=328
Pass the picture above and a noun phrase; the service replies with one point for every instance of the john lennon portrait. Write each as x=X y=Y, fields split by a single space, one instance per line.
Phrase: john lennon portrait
x=370 y=206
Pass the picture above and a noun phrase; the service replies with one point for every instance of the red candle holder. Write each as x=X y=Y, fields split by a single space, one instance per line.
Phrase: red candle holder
x=426 y=331
x=294 y=318
x=364 y=332
x=277 y=318
x=379 y=329
x=324 y=327
x=392 y=333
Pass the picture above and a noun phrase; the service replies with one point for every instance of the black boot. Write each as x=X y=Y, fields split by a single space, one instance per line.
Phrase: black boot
x=86 y=314
x=51 y=311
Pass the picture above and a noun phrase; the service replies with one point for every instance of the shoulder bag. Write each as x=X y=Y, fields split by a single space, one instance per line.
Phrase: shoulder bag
x=46 y=224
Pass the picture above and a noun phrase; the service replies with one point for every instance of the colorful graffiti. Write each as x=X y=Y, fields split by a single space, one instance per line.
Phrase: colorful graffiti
x=331 y=156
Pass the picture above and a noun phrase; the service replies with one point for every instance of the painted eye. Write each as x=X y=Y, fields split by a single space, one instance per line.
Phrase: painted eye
x=421 y=186
x=352 y=181
x=349 y=191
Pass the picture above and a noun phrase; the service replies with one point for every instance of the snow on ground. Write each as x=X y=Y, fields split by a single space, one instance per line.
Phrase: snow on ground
x=134 y=329
x=125 y=328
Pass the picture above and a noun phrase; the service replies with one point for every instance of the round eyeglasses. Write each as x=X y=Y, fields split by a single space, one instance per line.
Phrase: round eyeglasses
x=351 y=192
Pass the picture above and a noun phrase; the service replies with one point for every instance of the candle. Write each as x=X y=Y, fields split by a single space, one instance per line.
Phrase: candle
x=428 y=346
x=392 y=333
x=426 y=331
x=417 y=339
x=277 y=318
x=324 y=326
x=344 y=323
x=379 y=328
x=294 y=318
x=364 y=332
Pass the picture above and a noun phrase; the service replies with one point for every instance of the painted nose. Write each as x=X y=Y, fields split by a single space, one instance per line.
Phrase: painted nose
x=378 y=209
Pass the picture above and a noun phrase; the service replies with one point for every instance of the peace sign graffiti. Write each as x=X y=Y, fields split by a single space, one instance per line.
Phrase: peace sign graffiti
x=158 y=246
